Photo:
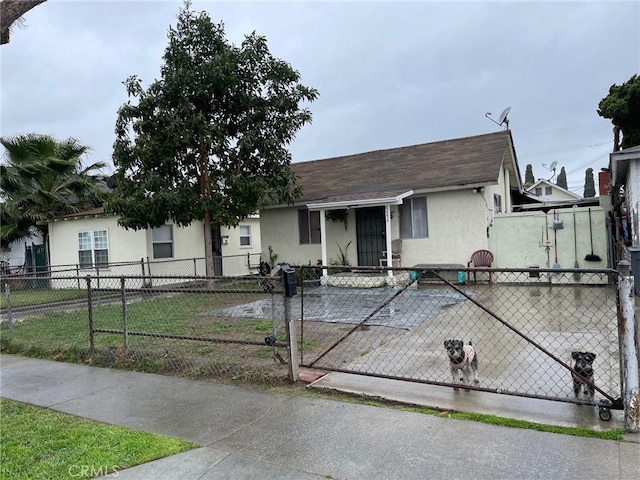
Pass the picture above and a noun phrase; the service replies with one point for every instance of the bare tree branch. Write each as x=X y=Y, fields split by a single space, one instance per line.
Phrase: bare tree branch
x=10 y=11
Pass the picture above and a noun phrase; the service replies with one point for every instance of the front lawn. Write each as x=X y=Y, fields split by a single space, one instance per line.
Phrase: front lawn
x=41 y=443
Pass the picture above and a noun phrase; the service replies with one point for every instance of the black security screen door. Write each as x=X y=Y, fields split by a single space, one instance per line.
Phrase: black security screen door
x=370 y=232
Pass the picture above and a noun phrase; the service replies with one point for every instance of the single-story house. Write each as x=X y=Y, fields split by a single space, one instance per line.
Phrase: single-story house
x=92 y=242
x=439 y=199
x=550 y=191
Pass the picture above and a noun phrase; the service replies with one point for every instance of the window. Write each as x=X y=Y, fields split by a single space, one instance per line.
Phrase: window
x=163 y=241
x=413 y=218
x=547 y=191
x=245 y=235
x=497 y=203
x=93 y=248
x=309 y=226
x=539 y=191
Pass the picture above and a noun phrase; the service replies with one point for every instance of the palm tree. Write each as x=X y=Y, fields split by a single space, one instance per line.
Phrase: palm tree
x=41 y=179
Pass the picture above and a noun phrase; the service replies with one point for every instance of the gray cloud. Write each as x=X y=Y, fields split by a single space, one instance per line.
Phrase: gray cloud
x=389 y=73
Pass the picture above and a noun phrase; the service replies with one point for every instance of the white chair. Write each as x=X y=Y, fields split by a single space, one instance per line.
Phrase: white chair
x=396 y=254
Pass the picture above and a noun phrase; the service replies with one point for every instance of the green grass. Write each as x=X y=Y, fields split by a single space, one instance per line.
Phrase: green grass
x=38 y=443
x=63 y=335
x=179 y=314
x=25 y=298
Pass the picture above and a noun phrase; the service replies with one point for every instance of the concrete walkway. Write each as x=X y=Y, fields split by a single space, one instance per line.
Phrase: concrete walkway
x=250 y=433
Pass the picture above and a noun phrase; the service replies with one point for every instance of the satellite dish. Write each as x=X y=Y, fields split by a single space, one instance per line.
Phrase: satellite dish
x=503 y=116
x=112 y=182
x=551 y=168
x=502 y=120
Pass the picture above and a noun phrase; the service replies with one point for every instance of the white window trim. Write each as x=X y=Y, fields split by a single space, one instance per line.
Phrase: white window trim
x=240 y=236
x=408 y=203
x=94 y=264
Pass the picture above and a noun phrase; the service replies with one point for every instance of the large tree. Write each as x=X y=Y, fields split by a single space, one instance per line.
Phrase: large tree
x=529 y=179
x=42 y=178
x=562 y=179
x=622 y=106
x=208 y=141
x=11 y=12
x=589 y=184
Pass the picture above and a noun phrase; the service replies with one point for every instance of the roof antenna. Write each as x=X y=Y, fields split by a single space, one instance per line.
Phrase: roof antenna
x=503 y=120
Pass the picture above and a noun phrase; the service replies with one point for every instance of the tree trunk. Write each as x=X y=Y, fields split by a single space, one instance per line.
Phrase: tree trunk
x=10 y=11
x=208 y=247
x=205 y=190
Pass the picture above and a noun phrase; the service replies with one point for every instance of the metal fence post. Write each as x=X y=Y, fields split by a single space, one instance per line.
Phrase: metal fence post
x=92 y=345
x=631 y=382
x=7 y=290
x=125 y=333
x=291 y=340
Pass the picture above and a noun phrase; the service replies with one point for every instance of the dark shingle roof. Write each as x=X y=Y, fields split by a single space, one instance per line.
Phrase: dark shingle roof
x=450 y=163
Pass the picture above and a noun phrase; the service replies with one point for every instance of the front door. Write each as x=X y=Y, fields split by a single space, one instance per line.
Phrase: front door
x=370 y=234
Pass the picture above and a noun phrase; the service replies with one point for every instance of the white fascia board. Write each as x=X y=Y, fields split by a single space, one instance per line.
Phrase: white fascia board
x=369 y=202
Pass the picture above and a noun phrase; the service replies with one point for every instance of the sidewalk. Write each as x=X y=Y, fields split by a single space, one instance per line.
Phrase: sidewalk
x=249 y=433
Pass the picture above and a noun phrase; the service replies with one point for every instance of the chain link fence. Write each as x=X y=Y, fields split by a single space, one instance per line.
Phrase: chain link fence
x=229 y=265
x=199 y=327
x=524 y=326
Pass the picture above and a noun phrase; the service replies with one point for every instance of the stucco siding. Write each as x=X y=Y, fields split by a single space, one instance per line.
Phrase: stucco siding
x=457 y=223
x=123 y=245
x=134 y=246
x=522 y=240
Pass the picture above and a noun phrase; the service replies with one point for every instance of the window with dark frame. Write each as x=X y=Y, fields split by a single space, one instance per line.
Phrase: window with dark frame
x=548 y=191
x=309 y=226
x=413 y=218
x=162 y=238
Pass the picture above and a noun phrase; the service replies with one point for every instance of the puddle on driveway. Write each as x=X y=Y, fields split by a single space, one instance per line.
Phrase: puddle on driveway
x=353 y=305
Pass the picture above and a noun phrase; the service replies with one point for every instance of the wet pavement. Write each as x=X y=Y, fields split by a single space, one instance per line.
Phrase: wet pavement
x=333 y=305
x=245 y=432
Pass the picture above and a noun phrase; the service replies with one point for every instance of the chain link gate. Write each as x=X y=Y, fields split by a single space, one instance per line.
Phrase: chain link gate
x=524 y=328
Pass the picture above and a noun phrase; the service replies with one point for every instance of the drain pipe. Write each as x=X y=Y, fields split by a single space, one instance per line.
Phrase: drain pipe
x=630 y=380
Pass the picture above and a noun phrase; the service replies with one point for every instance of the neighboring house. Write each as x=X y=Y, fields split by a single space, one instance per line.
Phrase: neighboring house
x=92 y=240
x=624 y=166
x=18 y=256
x=439 y=198
x=549 y=191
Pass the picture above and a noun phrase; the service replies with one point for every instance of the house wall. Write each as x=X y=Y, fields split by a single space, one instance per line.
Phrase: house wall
x=556 y=193
x=124 y=245
x=523 y=240
x=279 y=230
x=14 y=255
x=457 y=221
x=133 y=246
x=632 y=200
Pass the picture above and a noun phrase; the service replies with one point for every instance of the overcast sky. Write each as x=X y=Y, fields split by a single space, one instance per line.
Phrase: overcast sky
x=389 y=74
